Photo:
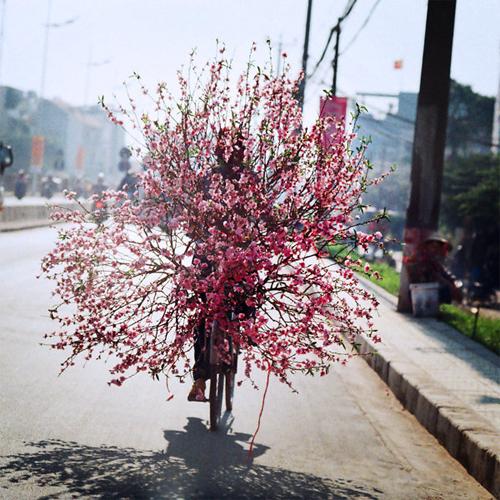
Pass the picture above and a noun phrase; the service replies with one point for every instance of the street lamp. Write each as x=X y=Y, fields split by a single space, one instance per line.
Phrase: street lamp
x=48 y=26
x=91 y=64
x=2 y=34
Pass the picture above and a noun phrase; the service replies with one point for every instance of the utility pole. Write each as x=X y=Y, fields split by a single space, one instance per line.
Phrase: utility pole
x=48 y=27
x=335 y=62
x=2 y=34
x=337 y=29
x=45 y=49
x=495 y=137
x=3 y=92
x=305 y=56
x=422 y=215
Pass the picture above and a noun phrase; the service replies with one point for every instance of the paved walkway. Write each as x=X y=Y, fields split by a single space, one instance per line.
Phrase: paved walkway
x=450 y=383
x=466 y=369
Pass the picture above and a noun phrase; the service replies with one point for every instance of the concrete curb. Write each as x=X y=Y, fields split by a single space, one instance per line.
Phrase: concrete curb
x=25 y=224
x=467 y=436
x=18 y=217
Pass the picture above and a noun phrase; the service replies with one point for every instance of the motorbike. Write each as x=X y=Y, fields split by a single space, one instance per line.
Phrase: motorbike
x=479 y=292
x=99 y=210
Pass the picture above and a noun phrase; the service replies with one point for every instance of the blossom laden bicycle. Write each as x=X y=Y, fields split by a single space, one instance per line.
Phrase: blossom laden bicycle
x=238 y=205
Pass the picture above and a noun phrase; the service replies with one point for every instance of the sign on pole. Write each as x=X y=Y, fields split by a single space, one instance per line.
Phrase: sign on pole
x=335 y=107
x=37 y=151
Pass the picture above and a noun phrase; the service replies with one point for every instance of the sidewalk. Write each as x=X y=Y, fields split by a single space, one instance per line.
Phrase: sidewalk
x=449 y=382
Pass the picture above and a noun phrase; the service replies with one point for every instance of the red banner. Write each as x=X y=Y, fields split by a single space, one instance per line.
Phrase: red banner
x=335 y=107
x=37 y=150
x=80 y=158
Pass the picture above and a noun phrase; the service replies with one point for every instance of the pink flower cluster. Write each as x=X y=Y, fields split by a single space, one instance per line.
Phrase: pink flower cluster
x=236 y=206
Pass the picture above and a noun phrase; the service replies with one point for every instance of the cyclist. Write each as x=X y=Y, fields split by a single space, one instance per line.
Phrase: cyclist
x=230 y=170
x=99 y=187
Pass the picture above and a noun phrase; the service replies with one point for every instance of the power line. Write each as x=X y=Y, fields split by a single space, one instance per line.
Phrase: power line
x=348 y=9
x=380 y=130
x=399 y=117
x=366 y=21
x=412 y=122
x=332 y=31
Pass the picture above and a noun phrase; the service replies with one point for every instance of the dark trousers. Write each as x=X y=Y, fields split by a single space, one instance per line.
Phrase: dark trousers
x=201 y=367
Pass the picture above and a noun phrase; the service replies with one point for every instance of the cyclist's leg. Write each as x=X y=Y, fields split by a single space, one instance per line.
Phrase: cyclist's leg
x=201 y=367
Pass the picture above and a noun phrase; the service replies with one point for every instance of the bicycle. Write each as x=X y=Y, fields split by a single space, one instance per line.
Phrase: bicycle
x=223 y=357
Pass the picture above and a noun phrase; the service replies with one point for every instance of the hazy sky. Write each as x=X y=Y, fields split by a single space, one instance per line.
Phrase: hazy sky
x=154 y=37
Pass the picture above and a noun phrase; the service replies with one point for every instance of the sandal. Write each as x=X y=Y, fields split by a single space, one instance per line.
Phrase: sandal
x=197 y=392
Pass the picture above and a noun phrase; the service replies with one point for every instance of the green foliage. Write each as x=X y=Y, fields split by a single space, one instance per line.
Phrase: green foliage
x=471 y=189
x=390 y=277
x=470 y=118
x=340 y=252
x=487 y=331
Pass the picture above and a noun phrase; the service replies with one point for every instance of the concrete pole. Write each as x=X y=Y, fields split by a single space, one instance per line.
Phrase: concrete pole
x=3 y=91
x=335 y=62
x=2 y=35
x=495 y=137
x=429 y=142
x=305 y=56
x=45 y=50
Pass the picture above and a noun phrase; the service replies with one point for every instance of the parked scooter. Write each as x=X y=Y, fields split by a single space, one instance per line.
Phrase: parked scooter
x=477 y=292
x=99 y=207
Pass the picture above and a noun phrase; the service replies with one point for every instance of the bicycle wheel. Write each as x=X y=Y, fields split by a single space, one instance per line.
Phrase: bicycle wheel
x=216 y=395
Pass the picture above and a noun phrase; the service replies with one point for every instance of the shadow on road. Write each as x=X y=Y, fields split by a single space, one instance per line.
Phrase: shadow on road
x=196 y=464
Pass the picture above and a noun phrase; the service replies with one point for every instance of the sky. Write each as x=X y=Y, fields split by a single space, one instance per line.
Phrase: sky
x=155 y=37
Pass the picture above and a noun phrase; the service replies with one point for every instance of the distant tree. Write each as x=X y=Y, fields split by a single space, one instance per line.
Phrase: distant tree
x=471 y=200
x=470 y=118
x=471 y=189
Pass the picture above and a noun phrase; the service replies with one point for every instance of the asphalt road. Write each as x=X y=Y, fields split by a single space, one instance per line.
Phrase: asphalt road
x=342 y=436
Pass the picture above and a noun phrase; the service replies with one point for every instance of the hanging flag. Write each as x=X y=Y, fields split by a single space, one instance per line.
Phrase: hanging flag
x=336 y=107
x=398 y=64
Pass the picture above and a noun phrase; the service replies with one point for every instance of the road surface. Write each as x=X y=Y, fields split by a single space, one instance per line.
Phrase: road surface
x=342 y=436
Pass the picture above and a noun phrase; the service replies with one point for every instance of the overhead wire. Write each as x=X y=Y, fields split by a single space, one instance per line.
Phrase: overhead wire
x=362 y=27
x=348 y=9
x=404 y=120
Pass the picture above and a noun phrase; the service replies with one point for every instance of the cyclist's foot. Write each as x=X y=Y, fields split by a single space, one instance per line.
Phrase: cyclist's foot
x=197 y=392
